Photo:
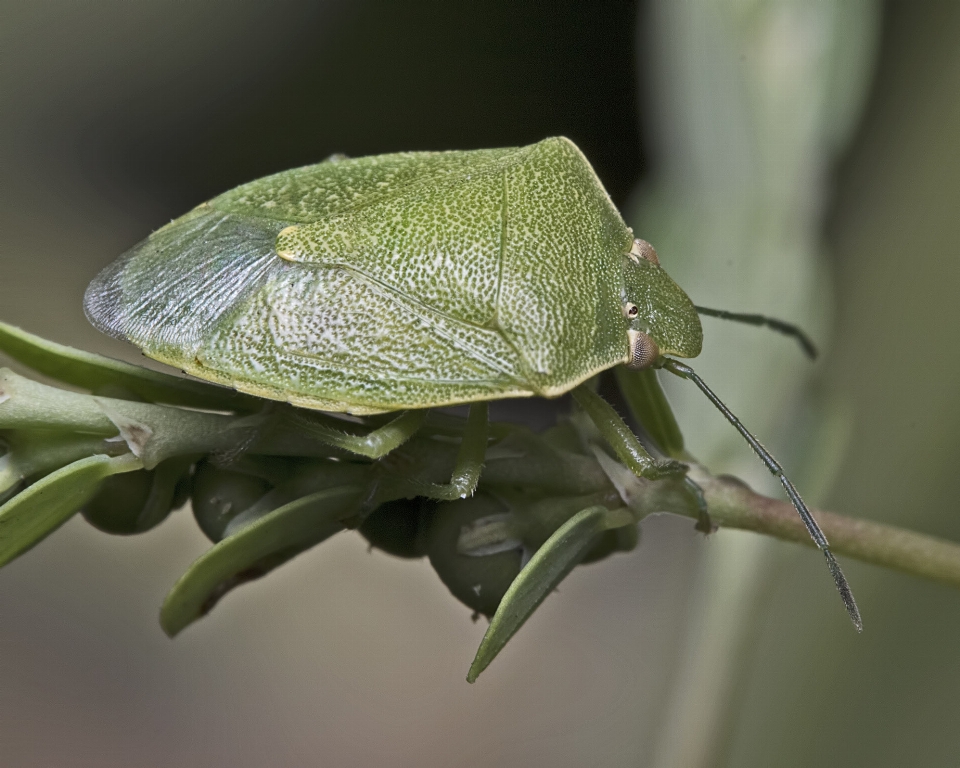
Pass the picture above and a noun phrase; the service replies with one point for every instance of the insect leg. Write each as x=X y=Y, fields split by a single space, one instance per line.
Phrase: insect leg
x=620 y=437
x=631 y=452
x=466 y=472
x=788 y=329
x=649 y=406
x=686 y=372
x=374 y=444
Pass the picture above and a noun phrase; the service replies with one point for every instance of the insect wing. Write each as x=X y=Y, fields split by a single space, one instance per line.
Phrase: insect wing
x=388 y=282
x=338 y=341
x=208 y=293
x=166 y=293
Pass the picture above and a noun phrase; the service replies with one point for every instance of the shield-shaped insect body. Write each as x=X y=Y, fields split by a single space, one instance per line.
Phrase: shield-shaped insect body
x=400 y=281
x=416 y=280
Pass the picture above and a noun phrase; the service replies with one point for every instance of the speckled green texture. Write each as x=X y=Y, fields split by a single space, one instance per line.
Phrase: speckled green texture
x=665 y=312
x=396 y=281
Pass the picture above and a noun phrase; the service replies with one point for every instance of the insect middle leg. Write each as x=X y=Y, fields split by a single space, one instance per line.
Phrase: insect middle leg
x=466 y=471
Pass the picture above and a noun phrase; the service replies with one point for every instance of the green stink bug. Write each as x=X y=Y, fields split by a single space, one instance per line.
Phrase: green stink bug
x=417 y=280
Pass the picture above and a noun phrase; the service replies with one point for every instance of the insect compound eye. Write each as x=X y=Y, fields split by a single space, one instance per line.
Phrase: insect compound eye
x=630 y=310
x=643 y=351
x=641 y=249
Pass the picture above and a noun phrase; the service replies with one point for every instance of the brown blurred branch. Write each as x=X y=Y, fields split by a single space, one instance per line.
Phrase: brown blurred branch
x=733 y=505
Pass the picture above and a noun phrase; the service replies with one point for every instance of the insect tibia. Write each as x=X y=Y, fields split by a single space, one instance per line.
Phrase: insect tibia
x=686 y=372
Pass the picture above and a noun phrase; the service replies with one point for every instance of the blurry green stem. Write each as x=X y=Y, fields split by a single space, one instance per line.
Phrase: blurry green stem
x=733 y=505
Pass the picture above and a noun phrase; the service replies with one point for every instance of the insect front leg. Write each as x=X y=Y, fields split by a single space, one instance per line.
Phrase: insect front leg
x=648 y=405
x=631 y=452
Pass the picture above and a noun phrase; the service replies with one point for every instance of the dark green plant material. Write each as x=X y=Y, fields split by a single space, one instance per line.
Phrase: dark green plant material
x=218 y=495
x=270 y=482
x=135 y=502
x=399 y=527
x=476 y=550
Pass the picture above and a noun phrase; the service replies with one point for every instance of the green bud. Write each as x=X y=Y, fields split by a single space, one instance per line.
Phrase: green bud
x=134 y=502
x=477 y=576
x=624 y=539
x=399 y=527
x=219 y=495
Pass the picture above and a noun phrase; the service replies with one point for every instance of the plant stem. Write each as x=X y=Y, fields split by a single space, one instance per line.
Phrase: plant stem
x=733 y=505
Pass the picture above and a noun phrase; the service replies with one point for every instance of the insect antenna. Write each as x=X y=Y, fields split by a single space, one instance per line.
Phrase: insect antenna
x=686 y=372
x=788 y=329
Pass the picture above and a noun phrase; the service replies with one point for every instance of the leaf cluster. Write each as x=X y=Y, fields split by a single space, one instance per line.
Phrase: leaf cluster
x=268 y=481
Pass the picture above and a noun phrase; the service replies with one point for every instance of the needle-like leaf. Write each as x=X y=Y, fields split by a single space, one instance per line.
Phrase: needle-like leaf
x=255 y=550
x=546 y=569
x=40 y=509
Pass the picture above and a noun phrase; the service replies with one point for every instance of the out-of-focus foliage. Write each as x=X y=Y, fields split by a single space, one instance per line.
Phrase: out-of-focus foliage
x=885 y=699
x=753 y=102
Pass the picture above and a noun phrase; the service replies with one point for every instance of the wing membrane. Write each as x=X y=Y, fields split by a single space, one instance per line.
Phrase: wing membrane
x=166 y=293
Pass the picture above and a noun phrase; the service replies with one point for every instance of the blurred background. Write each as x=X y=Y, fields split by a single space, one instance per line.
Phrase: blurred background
x=794 y=157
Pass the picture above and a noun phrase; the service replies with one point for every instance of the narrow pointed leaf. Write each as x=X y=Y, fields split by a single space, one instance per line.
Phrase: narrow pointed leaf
x=311 y=478
x=649 y=406
x=90 y=371
x=40 y=509
x=255 y=550
x=546 y=569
